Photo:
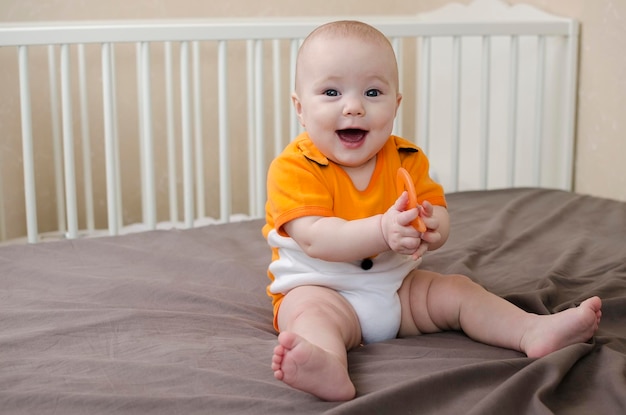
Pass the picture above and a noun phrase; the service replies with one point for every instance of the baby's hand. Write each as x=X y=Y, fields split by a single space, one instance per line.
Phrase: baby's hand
x=432 y=234
x=398 y=231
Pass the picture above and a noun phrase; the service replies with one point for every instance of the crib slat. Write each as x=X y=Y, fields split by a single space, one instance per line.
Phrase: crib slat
x=197 y=128
x=27 y=146
x=68 y=145
x=147 y=148
x=456 y=112
x=294 y=125
x=140 y=123
x=185 y=111
x=278 y=97
x=259 y=111
x=251 y=90
x=109 y=140
x=56 y=139
x=423 y=92
x=539 y=109
x=571 y=77
x=223 y=131
x=116 y=140
x=485 y=110
x=512 y=117
x=86 y=139
x=141 y=118
x=171 y=145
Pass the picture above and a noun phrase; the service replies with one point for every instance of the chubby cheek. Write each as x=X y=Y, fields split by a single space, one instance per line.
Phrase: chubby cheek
x=319 y=119
x=382 y=115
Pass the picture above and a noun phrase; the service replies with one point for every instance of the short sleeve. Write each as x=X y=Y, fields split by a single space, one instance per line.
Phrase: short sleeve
x=417 y=164
x=295 y=188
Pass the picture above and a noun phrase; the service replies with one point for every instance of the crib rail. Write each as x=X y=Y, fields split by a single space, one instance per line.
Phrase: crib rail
x=193 y=145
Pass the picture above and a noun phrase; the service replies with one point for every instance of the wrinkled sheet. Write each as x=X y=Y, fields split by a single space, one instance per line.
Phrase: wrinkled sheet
x=169 y=322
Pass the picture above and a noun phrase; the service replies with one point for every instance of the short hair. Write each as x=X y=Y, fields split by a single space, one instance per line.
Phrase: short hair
x=347 y=28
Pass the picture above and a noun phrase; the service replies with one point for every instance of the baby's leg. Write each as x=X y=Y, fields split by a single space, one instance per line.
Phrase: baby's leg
x=433 y=302
x=318 y=326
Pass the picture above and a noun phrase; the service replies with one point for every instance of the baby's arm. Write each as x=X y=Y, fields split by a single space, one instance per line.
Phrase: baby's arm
x=335 y=239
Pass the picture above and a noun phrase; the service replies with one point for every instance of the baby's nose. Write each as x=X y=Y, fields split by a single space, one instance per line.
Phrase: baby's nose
x=353 y=106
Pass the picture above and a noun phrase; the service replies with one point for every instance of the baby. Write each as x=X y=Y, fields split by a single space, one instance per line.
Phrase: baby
x=345 y=257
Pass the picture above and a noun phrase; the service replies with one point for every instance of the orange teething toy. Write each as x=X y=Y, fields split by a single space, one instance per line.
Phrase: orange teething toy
x=405 y=182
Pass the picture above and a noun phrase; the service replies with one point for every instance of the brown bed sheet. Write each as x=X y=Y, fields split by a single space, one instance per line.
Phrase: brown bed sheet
x=177 y=322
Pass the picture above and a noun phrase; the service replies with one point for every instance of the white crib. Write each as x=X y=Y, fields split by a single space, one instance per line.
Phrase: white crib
x=101 y=120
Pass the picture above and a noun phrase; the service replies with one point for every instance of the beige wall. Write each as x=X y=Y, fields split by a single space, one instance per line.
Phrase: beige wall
x=601 y=141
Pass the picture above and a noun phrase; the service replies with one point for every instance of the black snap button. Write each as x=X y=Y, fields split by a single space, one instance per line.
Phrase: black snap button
x=367 y=263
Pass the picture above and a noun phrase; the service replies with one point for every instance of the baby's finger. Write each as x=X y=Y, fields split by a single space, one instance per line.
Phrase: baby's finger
x=431 y=237
x=401 y=202
x=426 y=209
x=421 y=250
x=405 y=218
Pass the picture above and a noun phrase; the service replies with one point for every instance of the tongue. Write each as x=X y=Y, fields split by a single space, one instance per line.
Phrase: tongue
x=351 y=135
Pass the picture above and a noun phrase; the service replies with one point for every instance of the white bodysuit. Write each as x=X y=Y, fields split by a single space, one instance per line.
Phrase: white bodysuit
x=373 y=293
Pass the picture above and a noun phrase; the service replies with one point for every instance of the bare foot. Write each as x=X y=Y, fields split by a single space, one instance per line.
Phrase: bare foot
x=553 y=332
x=304 y=366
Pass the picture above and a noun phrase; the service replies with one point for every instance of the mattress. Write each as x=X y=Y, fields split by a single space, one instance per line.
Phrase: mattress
x=178 y=321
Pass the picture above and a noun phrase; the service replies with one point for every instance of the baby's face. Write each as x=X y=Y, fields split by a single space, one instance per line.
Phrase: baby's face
x=347 y=97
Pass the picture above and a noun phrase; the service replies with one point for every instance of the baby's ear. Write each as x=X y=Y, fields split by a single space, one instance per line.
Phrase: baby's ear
x=298 y=107
x=398 y=101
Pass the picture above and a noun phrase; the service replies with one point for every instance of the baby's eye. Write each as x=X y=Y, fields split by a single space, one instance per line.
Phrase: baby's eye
x=372 y=93
x=331 y=93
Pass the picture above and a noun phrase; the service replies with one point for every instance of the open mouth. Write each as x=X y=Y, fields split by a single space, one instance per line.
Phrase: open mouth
x=352 y=135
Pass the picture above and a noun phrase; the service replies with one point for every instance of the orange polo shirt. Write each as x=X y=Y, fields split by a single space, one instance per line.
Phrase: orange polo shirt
x=303 y=182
